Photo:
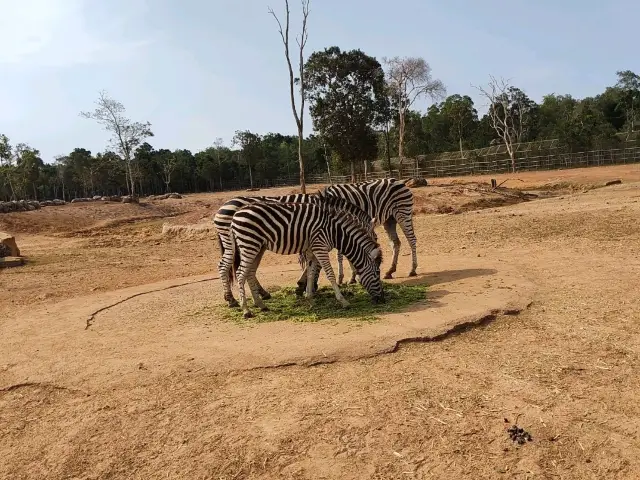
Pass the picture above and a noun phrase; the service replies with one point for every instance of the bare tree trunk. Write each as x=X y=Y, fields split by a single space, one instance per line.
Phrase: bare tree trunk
x=353 y=171
x=302 y=41
x=303 y=184
x=401 y=137
x=386 y=134
x=460 y=139
x=326 y=159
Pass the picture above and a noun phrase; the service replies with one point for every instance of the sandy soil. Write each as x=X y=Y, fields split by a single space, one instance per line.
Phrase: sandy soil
x=566 y=368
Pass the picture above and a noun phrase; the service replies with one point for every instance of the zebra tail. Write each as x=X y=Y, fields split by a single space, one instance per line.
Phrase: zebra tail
x=236 y=258
x=220 y=245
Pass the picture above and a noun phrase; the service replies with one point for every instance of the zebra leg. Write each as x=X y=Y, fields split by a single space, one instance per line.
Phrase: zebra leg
x=406 y=224
x=224 y=268
x=322 y=258
x=254 y=285
x=263 y=293
x=241 y=277
x=311 y=271
x=302 y=280
x=340 y=269
x=354 y=272
x=390 y=228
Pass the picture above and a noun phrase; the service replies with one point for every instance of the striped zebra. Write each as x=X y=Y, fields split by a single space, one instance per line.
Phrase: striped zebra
x=223 y=217
x=311 y=229
x=390 y=202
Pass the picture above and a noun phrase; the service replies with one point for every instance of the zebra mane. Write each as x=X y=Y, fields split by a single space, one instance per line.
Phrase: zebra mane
x=338 y=203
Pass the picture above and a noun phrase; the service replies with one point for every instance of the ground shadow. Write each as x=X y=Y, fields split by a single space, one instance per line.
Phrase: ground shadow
x=446 y=276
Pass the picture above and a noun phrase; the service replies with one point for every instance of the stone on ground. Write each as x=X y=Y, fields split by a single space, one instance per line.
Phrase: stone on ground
x=8 y=246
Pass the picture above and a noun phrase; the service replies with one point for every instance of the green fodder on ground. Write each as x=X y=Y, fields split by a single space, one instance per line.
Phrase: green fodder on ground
x=284 y=305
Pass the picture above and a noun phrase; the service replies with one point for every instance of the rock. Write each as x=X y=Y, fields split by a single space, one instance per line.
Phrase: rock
x=613 y=182
x=11 y=262
x=8 y=244
x=97 y=197
x=175 y=195
x=127 y=199
x=416 y=182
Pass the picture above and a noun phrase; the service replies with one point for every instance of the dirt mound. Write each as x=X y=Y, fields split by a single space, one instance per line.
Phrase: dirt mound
x=458 y=197
x=82 y=218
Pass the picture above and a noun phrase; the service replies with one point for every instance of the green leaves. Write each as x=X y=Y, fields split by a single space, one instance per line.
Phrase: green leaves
x=347 y=95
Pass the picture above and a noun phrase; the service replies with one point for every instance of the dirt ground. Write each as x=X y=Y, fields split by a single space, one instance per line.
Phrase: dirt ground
x=565 y=369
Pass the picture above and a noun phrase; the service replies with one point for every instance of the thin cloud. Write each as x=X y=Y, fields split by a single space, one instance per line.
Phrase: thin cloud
x=36 y=33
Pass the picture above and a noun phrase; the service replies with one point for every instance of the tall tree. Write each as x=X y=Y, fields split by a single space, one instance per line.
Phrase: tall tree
x=511 y=112
x=462 y=118
x=629 y=84
x=347 y=94
x=250 y=148
x=301 y=41
x=6 y=165
x=126 y=135
x=218 y=144
x=408 y=79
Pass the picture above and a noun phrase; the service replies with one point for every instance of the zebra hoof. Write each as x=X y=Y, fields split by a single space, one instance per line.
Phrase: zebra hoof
x=352 y=281
x=413 y=274
x=265 y=295
x=387 y=276
x=264 y=309
x=248 y=315
x=233 y=303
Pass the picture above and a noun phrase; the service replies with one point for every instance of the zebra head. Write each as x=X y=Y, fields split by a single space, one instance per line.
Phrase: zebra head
x=369 y=271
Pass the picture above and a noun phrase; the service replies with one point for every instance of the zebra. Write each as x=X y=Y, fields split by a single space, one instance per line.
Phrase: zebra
x=224 y=215
x=390 y=202
x=311 y=229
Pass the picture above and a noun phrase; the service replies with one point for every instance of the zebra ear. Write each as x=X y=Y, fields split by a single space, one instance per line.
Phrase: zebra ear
x=374 y=222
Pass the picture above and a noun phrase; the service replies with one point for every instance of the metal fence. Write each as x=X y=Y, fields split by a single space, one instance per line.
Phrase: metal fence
x=473 y=165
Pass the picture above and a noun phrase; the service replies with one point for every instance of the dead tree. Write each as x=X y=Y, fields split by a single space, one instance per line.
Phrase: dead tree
x=301 y=41
x=509 y=112
x=125 y=134
x=408 y=79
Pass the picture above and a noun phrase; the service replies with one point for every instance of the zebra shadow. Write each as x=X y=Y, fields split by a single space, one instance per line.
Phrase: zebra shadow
x=447 y=276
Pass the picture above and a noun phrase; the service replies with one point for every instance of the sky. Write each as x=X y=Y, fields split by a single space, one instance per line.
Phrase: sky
x=199 y=70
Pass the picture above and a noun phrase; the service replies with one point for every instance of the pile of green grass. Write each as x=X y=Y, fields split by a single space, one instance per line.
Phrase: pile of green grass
x=284 y=305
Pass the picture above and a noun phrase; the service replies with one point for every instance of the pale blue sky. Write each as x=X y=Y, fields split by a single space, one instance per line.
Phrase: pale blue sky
x=200 y=69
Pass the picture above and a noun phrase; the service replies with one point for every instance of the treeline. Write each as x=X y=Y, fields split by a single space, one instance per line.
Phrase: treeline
x=365 y=115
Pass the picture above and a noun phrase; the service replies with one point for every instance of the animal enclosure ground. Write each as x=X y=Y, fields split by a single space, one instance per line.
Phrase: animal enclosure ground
x=565 y=370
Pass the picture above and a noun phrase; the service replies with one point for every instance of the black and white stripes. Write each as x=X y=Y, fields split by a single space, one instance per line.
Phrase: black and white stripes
x=312 y=229
x=226 y=212
x=390 y=202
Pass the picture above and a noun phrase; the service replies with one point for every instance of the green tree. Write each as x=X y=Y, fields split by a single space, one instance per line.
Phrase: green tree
x=347 y=94
x=7 y=166
x=462 y=118
x=629 y=85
